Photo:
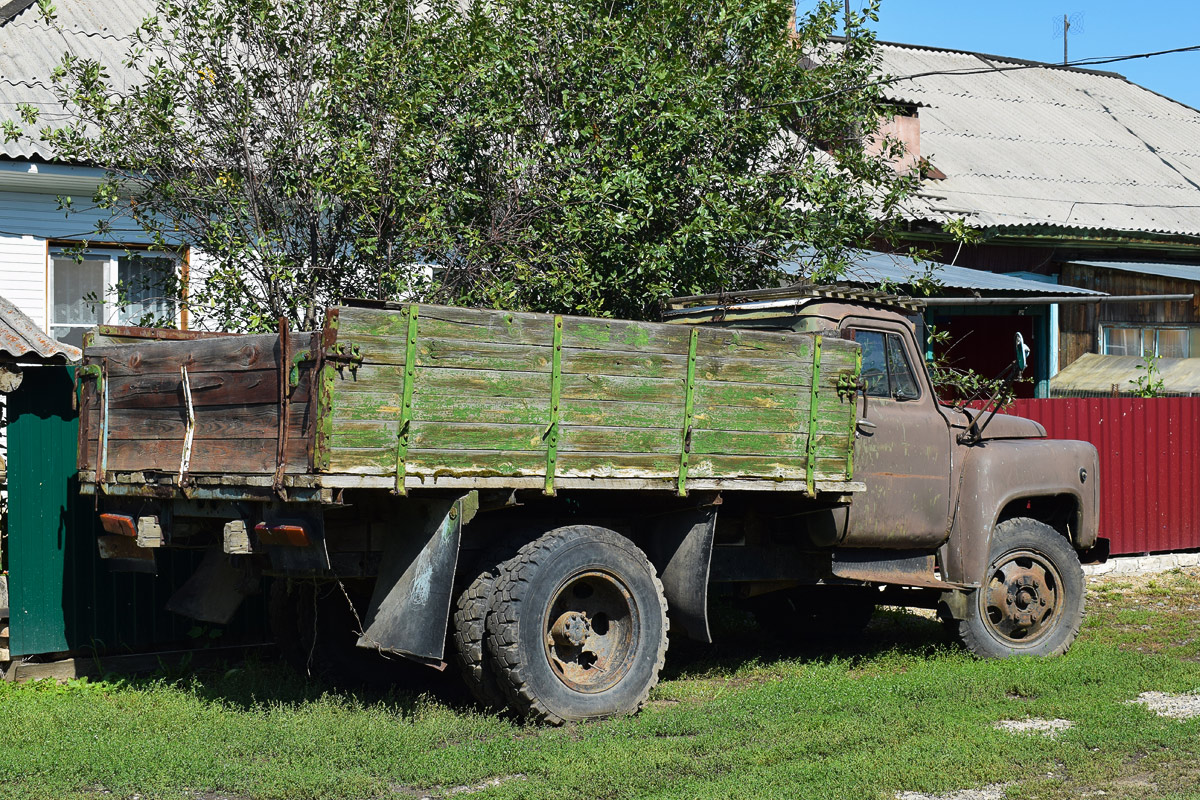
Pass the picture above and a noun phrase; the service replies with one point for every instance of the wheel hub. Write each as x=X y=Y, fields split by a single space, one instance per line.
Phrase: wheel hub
x=591 y=631
x=571 y=629
x=1022 y=599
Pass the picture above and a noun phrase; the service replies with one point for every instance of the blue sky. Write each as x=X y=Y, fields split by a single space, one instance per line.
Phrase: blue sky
x=1027 y=29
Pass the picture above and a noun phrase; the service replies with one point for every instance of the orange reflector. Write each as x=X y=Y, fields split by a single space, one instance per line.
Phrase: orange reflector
x=119 y=524
x=291 y=535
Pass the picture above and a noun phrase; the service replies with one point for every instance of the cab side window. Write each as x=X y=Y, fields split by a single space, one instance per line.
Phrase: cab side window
x=886 y=370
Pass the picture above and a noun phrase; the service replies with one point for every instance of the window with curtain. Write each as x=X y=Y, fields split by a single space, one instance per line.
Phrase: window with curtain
x=109 y=288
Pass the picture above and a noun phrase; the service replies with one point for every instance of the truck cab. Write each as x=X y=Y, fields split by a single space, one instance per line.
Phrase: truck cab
x=941 y=499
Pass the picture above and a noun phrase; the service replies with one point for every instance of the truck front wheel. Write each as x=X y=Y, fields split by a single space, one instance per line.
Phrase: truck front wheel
x=1030 y=601
x=578 y=626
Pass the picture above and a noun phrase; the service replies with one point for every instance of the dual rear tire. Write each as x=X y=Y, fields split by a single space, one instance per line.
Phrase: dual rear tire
x=571 y=627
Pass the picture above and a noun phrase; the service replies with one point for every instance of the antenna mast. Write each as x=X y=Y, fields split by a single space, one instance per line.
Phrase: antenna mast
x=1066 y=29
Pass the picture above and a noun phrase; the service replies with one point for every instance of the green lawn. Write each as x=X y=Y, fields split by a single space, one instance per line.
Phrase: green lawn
x=902 y=710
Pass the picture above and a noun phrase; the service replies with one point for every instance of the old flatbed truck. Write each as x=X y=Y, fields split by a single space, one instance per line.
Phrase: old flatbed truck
x=535 y=496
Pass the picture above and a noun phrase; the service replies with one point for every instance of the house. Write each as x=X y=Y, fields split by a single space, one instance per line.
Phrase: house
x=41 y=271
x=1069 y=176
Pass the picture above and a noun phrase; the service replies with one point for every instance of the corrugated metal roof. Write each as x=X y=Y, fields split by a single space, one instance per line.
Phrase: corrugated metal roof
x=872 y=268
x=22 y=340
x=1183 y=272
x=1094 y=375
x=30 y=50
x=1048 y=146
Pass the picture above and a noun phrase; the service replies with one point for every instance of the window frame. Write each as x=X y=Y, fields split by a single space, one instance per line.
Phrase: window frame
x=888 y=365
x=111 y=257
x=1145 y=328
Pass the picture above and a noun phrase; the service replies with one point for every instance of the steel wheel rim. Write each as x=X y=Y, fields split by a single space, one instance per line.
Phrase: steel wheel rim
x=1022 y=600
x=590 y=631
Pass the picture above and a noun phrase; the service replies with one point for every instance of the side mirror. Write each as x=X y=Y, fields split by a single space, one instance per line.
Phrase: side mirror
x=1022 y=352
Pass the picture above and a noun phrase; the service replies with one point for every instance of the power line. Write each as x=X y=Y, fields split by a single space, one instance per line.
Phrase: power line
x=888 y=81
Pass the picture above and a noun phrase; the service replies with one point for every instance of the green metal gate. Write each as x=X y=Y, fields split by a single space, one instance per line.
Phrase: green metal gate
x=62 y=596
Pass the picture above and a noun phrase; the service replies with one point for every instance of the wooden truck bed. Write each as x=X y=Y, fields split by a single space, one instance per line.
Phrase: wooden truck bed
x=416 y=396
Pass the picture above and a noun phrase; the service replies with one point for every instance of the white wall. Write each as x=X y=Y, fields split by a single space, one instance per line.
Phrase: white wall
x=30 y=217
x=23 y=275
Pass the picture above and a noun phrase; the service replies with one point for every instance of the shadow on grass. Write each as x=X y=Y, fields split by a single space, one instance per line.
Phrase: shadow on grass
x=739 y=640
x=404 y=688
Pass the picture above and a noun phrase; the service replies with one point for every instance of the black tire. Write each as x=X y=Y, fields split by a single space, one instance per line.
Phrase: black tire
x=578 y=626
x=825 y=613
x=469 y=628
x=1031 y=598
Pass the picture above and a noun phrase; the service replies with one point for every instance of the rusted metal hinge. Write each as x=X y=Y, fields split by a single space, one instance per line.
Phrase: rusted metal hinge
x=345 y=356
x=299 y=358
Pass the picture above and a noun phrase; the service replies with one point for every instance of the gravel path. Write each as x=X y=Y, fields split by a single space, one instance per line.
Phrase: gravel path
x=1175 y=706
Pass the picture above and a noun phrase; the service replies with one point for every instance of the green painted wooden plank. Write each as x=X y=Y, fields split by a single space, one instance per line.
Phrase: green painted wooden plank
x=744 y=395
x=772 y=371
x=623 y=335
x=724 y=342
x=611 y=414
x=482 y=383
x=482 y=355
x=406 y=403
x=443 y=435
x=689 y=406
x=552 y=433
x=620 y=440
x=781 y=445
x=476 y=464
x=623 y=363
x=745 y=467
x=388 y=350
x=734 y=418
x=814 y=418
x=604 y=387
x=618 y=465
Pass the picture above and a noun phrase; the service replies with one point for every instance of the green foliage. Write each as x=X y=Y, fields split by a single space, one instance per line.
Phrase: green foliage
x=559 y=155
x=961 y=385
x=1150 y=382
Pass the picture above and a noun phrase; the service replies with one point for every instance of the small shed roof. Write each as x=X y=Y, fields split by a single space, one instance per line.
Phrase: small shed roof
x=872 y=268
x=1029 y=145
x=1094 y=375
x=22 y=340
x=1183 y=272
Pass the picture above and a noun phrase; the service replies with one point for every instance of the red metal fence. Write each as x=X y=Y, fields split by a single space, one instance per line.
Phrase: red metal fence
x=1149 y=484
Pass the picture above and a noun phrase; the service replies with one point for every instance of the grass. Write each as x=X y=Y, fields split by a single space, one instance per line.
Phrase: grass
x=902 y=710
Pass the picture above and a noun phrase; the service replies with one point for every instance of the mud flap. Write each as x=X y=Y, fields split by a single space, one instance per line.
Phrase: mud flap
x=215 y=590
x=683 y=546
x=410 y=607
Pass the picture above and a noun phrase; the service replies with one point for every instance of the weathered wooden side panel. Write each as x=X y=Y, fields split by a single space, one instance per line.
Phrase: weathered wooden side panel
x=134 y=413
x=493 y=394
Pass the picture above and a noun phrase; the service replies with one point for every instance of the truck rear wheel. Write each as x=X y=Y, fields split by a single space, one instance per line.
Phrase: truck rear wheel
x=578 y=626
x=1031 y=598
x=470 y=628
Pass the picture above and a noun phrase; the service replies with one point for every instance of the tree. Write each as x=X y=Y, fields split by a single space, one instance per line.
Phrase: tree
x=558 y=155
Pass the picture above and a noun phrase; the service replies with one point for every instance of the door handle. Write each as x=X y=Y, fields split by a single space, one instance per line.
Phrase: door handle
x=865 y=425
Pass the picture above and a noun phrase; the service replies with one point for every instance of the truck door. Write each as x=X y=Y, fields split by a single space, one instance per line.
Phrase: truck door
x=902 y=445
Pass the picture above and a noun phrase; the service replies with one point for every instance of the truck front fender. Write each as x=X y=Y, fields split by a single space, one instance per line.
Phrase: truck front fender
x=998 y=473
